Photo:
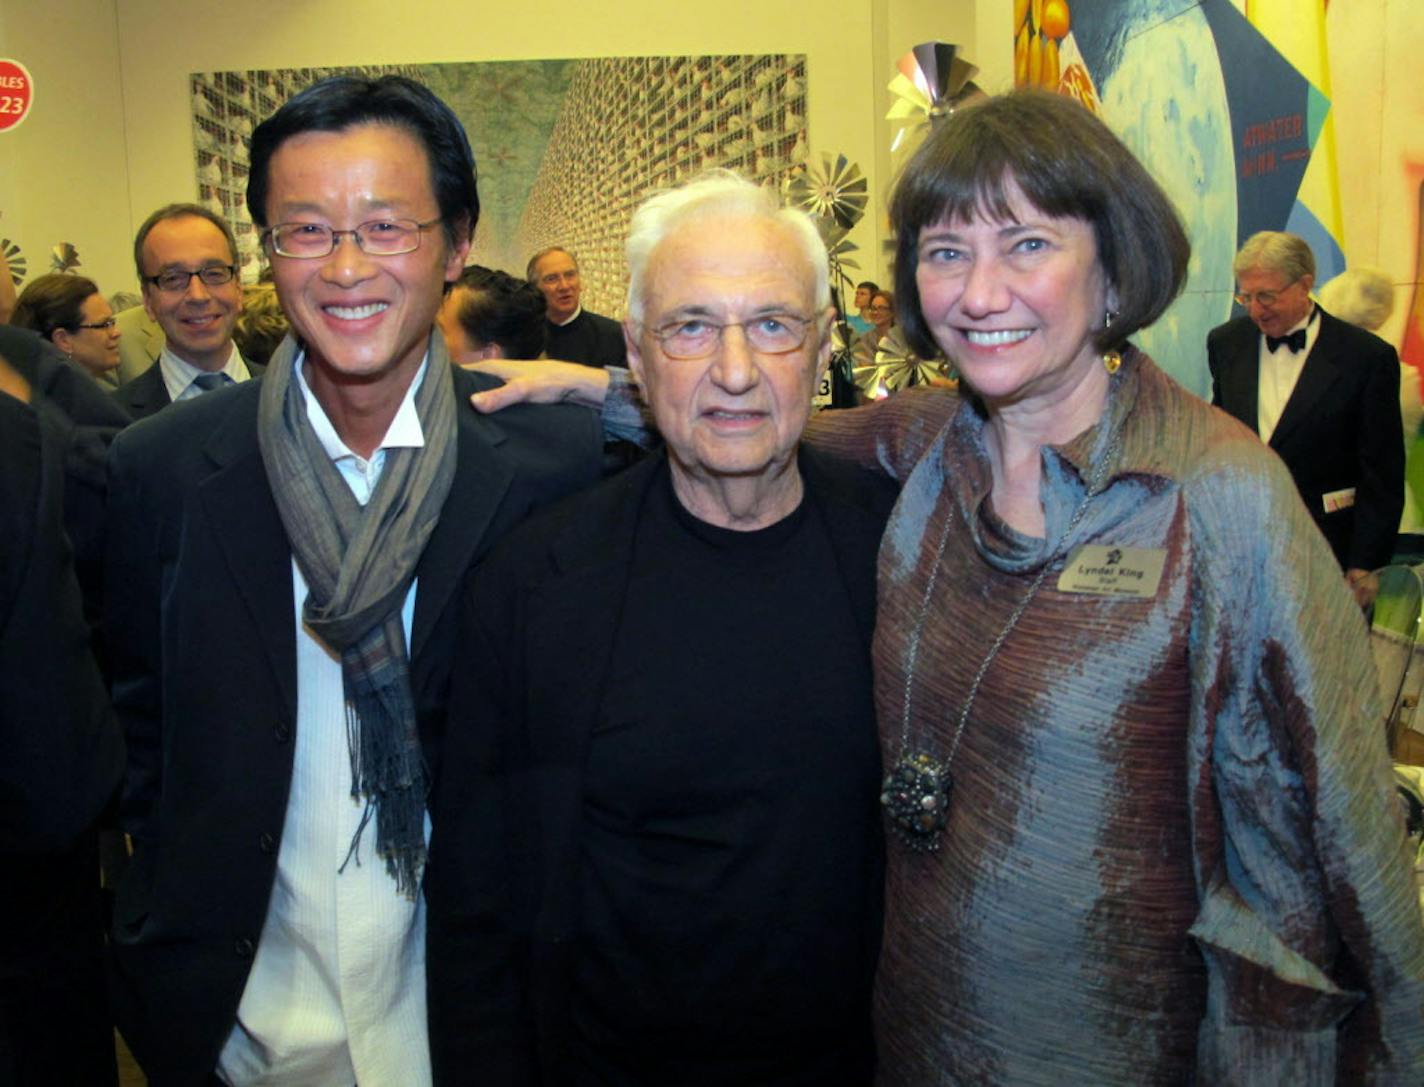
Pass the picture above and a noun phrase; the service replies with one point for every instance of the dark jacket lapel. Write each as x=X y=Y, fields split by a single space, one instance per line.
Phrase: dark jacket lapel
x=145 y=394
x=482 y=476
x=855 y=505
x=1318 y=374
x=1239 y=378
x=248 y=534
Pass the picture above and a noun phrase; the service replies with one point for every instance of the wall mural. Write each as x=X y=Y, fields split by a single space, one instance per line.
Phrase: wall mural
x=1224 y=122
x=1241 y=135
x=565 y=148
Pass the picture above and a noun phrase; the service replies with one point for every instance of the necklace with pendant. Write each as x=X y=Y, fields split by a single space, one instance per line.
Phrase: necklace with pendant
x=916 y=791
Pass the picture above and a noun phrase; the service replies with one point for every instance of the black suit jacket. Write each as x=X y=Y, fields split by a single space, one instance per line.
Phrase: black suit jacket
x=1340 y=429
x=590 y=338
x=147 y=394
x=62 y=753
x=539 y=623
x=199 y=572
x=86 y=420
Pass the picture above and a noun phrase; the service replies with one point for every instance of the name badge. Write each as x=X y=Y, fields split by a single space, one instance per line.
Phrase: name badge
x=1338 y=500
x=1113 y=571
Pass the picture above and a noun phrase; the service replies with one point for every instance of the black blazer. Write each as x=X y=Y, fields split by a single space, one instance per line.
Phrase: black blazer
x=1340 y=429
x=199 y=573
x=62 y=753
x=539 y=624
x=590 y=338
x=147 y=394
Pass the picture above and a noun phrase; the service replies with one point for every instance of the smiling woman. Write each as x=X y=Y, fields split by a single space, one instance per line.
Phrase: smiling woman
x=1144 y=830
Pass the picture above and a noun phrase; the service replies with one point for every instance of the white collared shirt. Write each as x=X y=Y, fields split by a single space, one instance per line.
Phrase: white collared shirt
x=1278 y=372
x=178 y=374
x=336 y=995
x=571 y=317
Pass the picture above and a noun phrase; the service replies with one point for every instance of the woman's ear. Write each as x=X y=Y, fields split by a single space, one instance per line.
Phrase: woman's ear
x=63 y=339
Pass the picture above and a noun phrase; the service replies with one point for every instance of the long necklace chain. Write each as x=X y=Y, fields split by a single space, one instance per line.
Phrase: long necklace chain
x=917 y=788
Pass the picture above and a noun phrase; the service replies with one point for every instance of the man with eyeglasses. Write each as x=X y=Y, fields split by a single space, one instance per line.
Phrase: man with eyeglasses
x=187 y=262
x=284 y=562
x=657 y=855
x=1320 y=392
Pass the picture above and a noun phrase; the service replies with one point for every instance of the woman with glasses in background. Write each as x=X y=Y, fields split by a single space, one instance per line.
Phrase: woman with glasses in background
x=70 y=312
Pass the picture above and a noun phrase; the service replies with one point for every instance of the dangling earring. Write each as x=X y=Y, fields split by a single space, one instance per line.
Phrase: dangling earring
x=1111 y=359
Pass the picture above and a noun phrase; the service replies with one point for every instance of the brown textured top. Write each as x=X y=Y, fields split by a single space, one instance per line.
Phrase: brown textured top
x=1173 y=851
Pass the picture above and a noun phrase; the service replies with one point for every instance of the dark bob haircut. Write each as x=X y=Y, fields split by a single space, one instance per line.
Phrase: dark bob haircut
x=497 y=308
x=51 y=302
x=1069 y=165
x=342 y=102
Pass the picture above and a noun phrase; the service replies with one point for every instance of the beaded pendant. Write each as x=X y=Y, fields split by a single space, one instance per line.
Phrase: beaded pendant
x=915 y=795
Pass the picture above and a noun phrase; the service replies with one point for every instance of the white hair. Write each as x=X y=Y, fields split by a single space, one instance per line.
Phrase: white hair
x=717 y=194
x=1362 y=296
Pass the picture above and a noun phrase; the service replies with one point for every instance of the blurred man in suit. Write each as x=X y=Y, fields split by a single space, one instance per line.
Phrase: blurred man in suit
x=573 y=333
x=63 y=755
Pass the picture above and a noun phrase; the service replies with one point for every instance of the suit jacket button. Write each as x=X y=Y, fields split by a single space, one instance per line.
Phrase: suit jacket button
x=281 y=734
x=243 y=947
x=267 y=843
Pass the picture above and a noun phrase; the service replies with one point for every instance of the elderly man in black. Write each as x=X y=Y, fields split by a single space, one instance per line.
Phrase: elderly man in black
x=656 y=855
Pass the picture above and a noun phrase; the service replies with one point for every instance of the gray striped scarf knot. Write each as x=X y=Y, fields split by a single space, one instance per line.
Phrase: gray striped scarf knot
x=359 y=562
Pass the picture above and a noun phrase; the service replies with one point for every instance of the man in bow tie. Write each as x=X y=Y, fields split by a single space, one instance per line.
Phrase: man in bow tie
x=1320 y=392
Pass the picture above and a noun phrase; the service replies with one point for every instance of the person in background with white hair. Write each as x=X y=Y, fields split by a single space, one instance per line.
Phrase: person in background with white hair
x=671 y=874
x=1365 y=297
x=1362 y=296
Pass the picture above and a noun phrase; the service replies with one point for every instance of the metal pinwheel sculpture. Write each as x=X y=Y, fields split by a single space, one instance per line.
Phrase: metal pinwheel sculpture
x=892 y=366
x=63 y=258
x=15 y=259
x=838 y=191
x=933 y=79
x=835 y=196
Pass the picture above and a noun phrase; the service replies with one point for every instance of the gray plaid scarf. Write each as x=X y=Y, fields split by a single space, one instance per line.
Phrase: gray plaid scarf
x=359 y=562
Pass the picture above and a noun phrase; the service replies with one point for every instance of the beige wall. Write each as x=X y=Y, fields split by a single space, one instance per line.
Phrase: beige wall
x=63 y=171
x=110 y=139
x=1379 y=102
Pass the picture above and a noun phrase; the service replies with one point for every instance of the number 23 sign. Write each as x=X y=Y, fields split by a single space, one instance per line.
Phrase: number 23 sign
x=17 y=93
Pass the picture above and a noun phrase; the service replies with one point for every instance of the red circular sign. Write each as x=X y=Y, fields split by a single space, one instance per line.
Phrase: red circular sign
x=17 y=93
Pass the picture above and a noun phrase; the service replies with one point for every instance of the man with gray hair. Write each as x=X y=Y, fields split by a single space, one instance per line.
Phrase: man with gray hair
x=1320 y=392
x=572 y=332
x=671 y=874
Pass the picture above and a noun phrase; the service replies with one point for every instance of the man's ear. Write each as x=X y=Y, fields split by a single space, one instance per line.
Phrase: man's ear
x=634 y=351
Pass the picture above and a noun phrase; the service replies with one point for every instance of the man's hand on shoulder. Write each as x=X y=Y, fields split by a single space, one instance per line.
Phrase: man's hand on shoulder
x=539 y=381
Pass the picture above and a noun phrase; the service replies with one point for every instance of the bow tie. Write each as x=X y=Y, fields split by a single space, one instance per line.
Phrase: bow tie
x=1295 y=340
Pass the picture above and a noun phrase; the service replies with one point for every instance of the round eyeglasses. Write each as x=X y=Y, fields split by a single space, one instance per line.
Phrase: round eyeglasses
x=1262 y=298
x=698 y=337
x=378 y=238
